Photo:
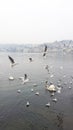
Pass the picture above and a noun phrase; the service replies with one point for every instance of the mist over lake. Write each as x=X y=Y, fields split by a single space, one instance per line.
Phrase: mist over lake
x=14 y=114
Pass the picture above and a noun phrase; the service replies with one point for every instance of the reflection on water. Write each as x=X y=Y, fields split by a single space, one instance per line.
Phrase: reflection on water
x=14 y=115
x=60 y=121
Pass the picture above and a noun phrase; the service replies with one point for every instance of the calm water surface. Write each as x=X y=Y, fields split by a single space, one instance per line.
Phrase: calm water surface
x=14 y=115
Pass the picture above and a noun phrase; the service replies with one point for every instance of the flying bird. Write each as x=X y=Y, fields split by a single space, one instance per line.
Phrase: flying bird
x=24 y=79
x=13 y=63
x=45 y=50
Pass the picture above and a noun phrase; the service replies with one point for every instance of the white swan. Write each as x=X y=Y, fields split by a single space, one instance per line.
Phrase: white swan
x=51 y=88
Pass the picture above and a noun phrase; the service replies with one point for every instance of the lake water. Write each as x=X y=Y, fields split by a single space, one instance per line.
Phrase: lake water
x=14 y=115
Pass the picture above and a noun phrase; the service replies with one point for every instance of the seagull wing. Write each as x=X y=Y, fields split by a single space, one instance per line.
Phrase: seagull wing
x=44 y=54
x=25 y=76
x=45 y=48
x=11 y=59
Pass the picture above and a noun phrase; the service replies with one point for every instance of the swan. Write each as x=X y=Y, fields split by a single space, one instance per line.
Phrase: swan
x=51 y=88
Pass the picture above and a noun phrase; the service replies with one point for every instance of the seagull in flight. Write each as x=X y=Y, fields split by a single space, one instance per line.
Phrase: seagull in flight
x=24 y=79
x=45 y=50
x=13 y=63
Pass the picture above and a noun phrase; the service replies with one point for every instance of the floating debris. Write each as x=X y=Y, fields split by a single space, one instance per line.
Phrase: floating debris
x=48 y=104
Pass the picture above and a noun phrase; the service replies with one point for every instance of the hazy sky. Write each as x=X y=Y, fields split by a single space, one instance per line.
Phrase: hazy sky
x=35 y=21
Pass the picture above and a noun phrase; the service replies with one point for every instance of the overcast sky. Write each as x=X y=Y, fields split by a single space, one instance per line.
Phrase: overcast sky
x=35 y=21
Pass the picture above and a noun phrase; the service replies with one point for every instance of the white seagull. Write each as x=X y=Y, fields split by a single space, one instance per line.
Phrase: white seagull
x=11 y=78
x=13 y=63
x=48 y=104
x=24 y=79
x=27 y=104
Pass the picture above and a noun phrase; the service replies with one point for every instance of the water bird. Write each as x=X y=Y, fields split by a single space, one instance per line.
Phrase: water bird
x=47 y=68
x=48 y=104
x=51 y=88
x=19 y=91
x=30 y=59
x=69 y=87
x=24 y=79
x=52 y=94
x=58 y=89
x=13 y=63
x=11 y=78
x=32 y=90
x=59 y=85
x=44 y=54
x=27 y=104
x=51 y=76
x=45 y=50
x=54 y=99
x=70 y=82
x=37 y=93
